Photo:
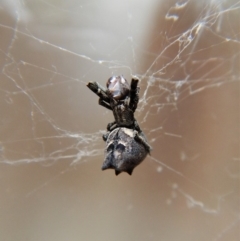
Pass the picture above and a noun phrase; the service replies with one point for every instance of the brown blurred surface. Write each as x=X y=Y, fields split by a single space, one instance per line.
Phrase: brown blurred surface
x=51 y=150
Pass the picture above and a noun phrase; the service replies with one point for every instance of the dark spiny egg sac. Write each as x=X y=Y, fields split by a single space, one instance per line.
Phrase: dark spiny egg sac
x=123 y=152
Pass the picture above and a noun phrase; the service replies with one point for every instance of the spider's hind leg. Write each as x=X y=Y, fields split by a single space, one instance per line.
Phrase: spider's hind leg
x=111 y=126
x=105 y=136
x=137 y=127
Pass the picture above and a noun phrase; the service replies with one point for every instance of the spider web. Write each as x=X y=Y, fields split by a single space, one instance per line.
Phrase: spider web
x=186 y=54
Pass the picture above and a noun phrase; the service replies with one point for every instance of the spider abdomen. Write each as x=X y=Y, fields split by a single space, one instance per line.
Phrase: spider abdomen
x=123 y=153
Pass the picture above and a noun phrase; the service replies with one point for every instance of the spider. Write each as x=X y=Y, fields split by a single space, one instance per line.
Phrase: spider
x=122 y=99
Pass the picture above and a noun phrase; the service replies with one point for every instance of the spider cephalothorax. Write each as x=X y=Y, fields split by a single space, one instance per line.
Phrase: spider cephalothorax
x=122 y=99
x=118 y=87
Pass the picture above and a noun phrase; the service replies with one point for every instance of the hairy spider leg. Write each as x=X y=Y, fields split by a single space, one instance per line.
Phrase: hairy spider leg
x=99 y=90
x=134 y=94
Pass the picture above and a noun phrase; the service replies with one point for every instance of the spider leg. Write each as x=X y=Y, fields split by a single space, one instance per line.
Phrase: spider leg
x=104 y=104
x=104 y=99
x=134 y=94
x=111 y=126
x=142 y=140
x=105 y=136
x=137 y=127
x=99 y=90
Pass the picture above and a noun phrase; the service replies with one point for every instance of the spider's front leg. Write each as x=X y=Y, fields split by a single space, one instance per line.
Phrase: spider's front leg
x=104 y=104
x=134 y=94
x=104 y=99
x=98 y=90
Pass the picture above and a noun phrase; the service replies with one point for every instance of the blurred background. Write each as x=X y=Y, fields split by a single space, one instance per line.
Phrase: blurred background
x=186 y=55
